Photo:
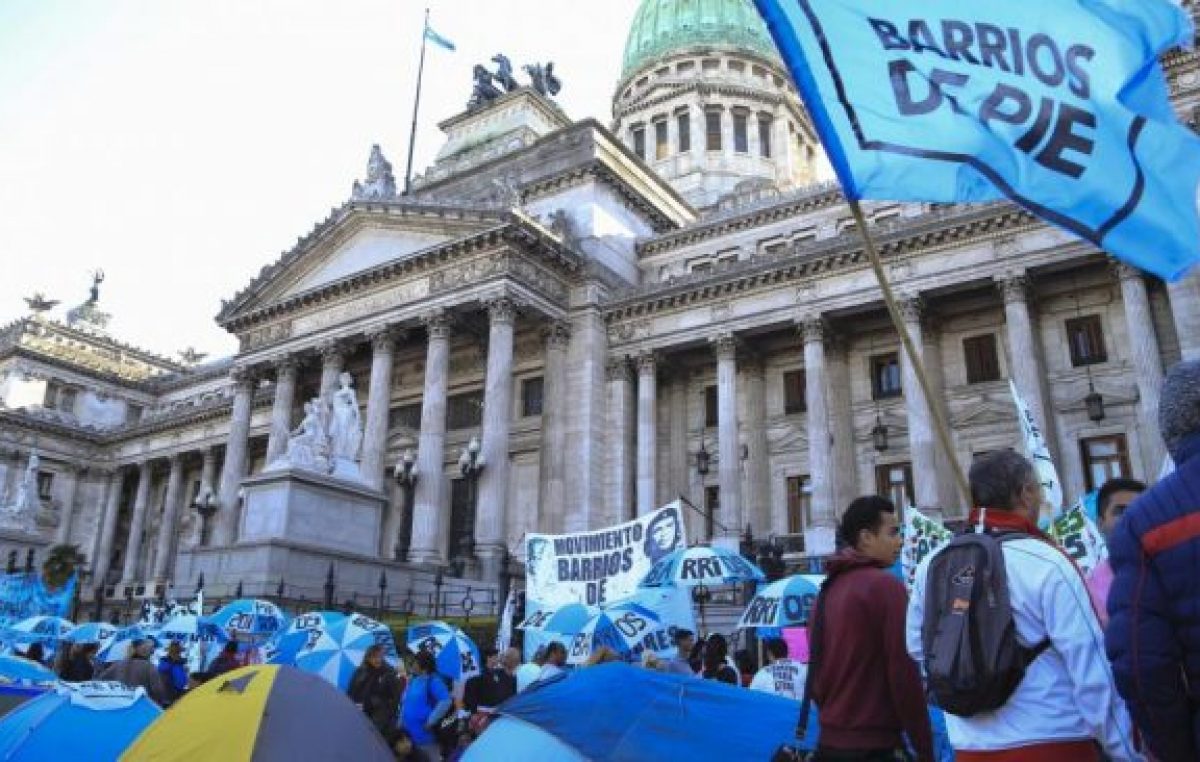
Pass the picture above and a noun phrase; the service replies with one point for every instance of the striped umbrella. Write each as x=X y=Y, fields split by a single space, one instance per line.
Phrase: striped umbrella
x=624 y=628
x=117 y=647
x=456 y=654
x=263 y=712
x=17 y=671
x=564 y=619
x=337 y=652
x=90 y=632
x=701 y=565
x=250 y=619
x=786 y=603
x=303 y=630
x=39 y=629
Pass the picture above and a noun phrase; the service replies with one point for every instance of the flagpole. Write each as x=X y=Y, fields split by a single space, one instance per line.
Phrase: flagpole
x=412 y=136
x=889 y=298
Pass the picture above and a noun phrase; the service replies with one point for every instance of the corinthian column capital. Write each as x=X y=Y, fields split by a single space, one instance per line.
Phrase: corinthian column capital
x=725 y=345
x=502 y=309
x=1014 y=288
x=438 y=324
x=812 y=328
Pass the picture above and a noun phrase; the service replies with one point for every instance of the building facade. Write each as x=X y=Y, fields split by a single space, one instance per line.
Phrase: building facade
x=565 y=325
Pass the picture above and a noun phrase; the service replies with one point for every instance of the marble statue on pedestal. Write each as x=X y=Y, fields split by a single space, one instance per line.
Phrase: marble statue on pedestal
x=309 y=445
x=21 y=511
x=329 y=439
x=345 y=427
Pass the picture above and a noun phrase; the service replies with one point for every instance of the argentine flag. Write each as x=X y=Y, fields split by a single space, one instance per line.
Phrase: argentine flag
x=1058 y=105
x=437 y=39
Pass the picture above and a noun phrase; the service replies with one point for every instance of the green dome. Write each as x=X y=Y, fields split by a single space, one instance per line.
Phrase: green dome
x=664 y=26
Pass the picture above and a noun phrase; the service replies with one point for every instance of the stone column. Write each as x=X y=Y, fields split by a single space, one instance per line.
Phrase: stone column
x=758 y=467
x=491 y=516
x=818 y=534
x=108 y=527
x=208 y=468
x=552 y=515
x=585 y=440
x=66 y=513
x=1147 y=365
x=137 y=525
x=333 y=360
x=921 y=446
x=1185 y=309
x=170 y=516
x=428 y=525
x=1024 y=358
x=729 y=448
x=647 y=432
x=234 y=469
x=281 y=408
x=620 y=440
x=841 y=417
x=677 y=414
x=379 y=397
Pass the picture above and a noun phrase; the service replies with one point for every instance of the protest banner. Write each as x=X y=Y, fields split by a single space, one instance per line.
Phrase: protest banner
x=922 y=536
x=1079 y=537
x=1036 y=450
x=600 y=566
x=23 y=595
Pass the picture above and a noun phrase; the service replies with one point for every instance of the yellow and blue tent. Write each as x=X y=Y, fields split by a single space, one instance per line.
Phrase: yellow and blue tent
x=262 y=713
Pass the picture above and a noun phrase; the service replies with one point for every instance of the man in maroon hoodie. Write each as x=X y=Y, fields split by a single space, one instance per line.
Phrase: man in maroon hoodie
x=866 y=687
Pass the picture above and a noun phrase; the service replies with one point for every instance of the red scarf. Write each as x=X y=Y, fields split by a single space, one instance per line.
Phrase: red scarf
x=998 y=520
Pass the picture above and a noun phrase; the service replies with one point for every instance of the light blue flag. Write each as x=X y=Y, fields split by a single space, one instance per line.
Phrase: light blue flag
x=1059 y=105
x=437 y=39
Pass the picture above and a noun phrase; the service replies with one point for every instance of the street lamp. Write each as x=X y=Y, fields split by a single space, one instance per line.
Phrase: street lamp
x=405 y=473
x=879 y=434
x=1094 y=402
x=703 y=459
x=329 y=588
x=382 y=591
x=470 y=463
x=206 y=504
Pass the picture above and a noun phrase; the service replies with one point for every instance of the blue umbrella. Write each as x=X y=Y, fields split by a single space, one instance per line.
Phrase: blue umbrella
x=90 y=632
x=786 y=603
x=565 y=620
x=338 y=651
x=249 y=619
x=17 y=671
x=624 y=628
x=39 y=629
x=190 y=629
x=701 y=565
x=456 y=654
x=117 y=647
x=302 y=631
x=82 y=721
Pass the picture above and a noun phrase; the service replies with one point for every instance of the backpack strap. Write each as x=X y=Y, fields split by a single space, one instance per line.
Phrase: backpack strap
x=816 y=649
x=1031 y=652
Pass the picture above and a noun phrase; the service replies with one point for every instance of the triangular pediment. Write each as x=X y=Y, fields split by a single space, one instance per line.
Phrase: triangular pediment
x=357 y=238
x=988 y=412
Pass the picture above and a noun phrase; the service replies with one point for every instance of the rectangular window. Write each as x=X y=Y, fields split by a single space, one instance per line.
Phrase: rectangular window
x=406 y=417
x=464 y=411
x=531 y=396
x=685 y=132
x=885 y=376
x=639 y=142
x=983 y=363
x=710 y=407
x=895 y=482
x=712 y=506
x=66 y=400
x=712 y=130
x=741 y=136
x=1104 y=458
x=45 y=485
x=700 y=268
x=793 y=392
x=1085 y=336
x=764 y=136
x=662 y=147
x=799 y=503
x=462 y=518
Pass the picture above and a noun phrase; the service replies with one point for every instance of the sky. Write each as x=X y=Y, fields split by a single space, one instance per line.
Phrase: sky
x=181 y=145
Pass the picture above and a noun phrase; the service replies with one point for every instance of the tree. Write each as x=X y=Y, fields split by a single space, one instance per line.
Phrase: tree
x=61 y=562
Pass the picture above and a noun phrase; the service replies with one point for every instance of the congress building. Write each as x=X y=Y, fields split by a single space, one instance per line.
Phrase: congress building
x=567 y=323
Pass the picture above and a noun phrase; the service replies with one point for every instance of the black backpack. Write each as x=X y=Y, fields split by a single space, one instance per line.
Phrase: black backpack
x=973 y=660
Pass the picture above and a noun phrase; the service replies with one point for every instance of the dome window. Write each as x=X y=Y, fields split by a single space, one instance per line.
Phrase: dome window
x=712 y=129
x=741 y=137
x=662 y=147
x=684 y=119
x=764 y=135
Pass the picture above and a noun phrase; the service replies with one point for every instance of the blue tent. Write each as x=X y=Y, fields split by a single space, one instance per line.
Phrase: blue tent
x=83 y=722
x=618 y=712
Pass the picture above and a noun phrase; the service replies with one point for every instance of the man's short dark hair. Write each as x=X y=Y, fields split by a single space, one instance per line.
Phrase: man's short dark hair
x=489 y=652
x=998 y=478
x=425 y=662
x=777 y=647
x=554 y=647
x=863 y=513
x=1112 y=487
x=682 y=635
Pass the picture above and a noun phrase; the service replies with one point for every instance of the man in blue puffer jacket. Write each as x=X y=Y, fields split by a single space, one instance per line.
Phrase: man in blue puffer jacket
x=1153 y=639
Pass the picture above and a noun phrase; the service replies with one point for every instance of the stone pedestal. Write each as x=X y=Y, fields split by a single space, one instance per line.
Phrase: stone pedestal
x=314 y=510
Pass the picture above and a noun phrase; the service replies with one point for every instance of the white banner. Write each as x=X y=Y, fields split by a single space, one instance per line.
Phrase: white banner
x=1036 y=450
x=602 y=566
x=1080 y=538
x=922 y=536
